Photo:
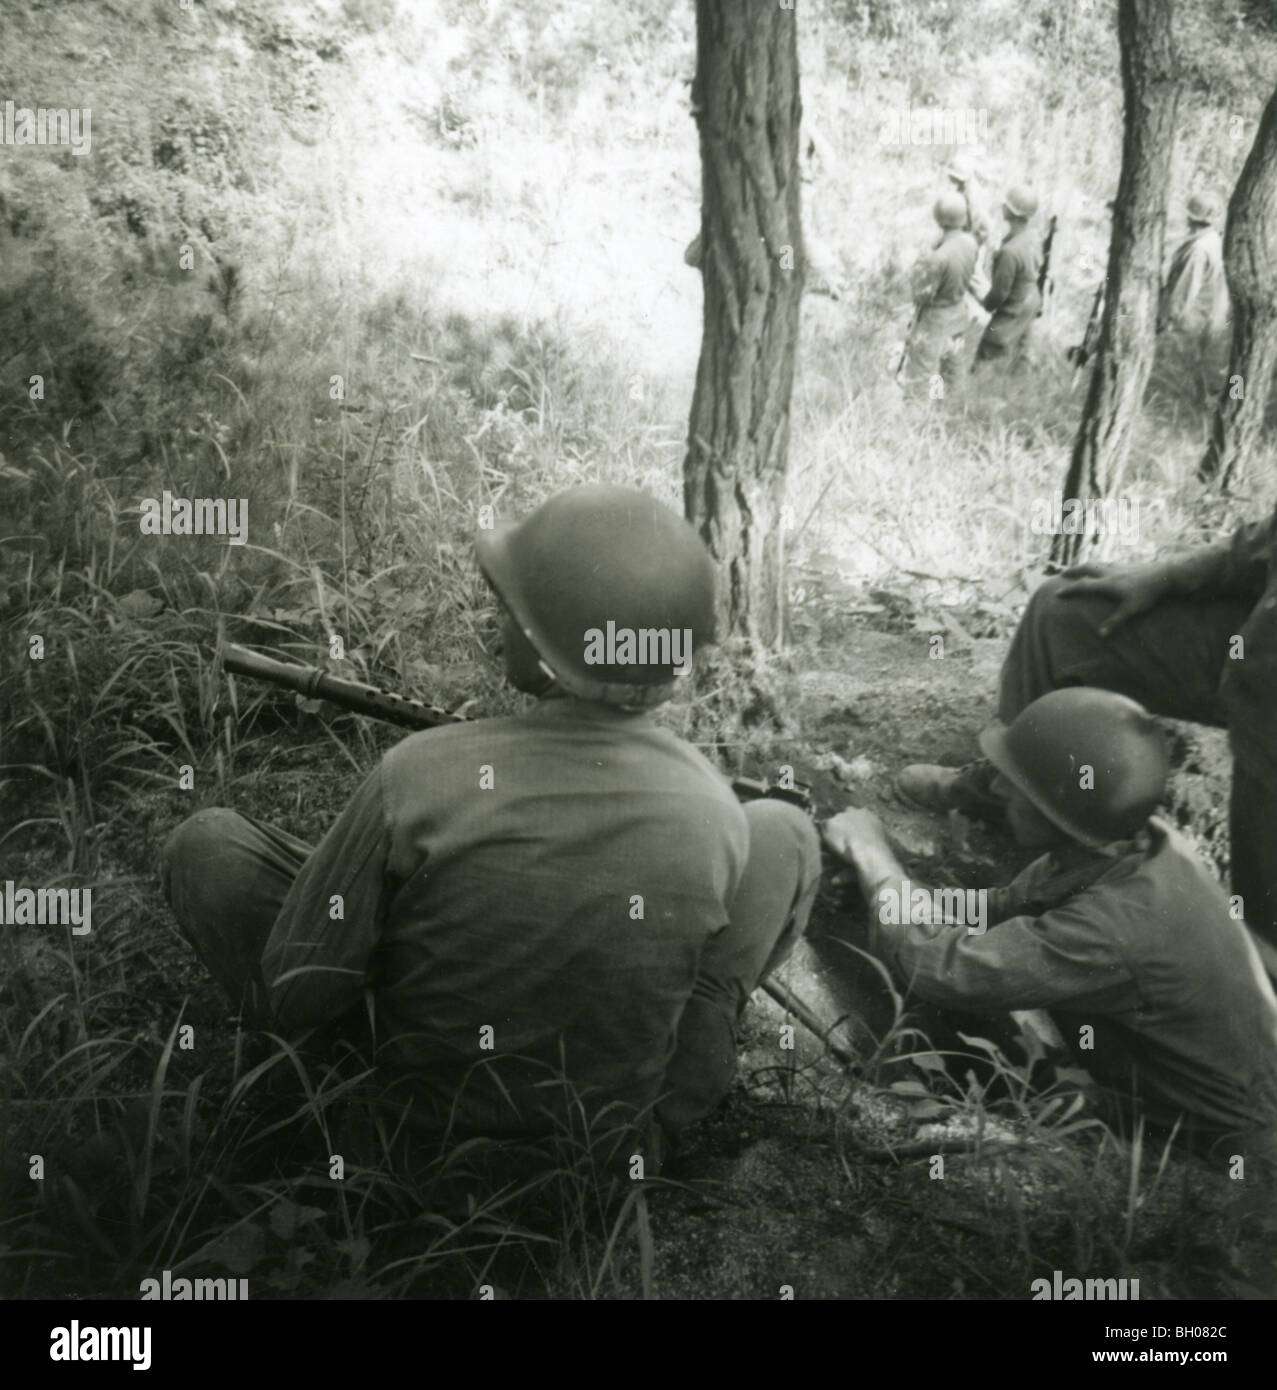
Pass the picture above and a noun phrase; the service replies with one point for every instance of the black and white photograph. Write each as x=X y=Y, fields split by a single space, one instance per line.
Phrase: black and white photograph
x=638 y=663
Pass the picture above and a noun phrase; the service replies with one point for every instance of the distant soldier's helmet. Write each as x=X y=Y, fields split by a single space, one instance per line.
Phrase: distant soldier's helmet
x=960 y=168
x=597 y=555
x=1020 y=202
x=1093 y=762
x=950 y=210
x=1201 y=208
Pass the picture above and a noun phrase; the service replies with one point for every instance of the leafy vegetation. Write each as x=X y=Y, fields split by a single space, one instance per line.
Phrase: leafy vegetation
x=436 y=264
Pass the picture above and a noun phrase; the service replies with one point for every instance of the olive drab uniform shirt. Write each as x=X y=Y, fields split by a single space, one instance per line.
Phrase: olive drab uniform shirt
x=1013 y=298
x=1134 y=941
x=1195 y=301
x=940 y=278
x=940 y=282
x=550 y=878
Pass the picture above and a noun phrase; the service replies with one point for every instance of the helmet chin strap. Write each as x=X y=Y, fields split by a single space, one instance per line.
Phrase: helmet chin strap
x=632 y=699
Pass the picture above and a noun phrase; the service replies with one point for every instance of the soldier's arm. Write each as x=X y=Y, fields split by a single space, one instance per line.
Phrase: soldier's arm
x=1025 y=888
x=1002 y=283
x=316 y=959
x=1234 y=568
x=1025 y=963
x=924 y=279
x=857 y=836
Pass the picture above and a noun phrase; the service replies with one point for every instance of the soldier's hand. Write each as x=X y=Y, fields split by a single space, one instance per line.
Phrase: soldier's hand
x=851 y=831
x=1134 y=588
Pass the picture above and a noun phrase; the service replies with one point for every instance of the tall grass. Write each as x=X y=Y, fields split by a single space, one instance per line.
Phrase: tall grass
x=485 y=247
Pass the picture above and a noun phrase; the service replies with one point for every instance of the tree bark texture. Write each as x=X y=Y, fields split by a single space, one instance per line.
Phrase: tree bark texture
x=1128 y=331
x=1250 y=262
x=746 y=102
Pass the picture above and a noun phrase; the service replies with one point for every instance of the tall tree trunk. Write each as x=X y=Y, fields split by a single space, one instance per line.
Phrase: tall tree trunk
x=746 y=101
x=1250 y=260
x=1128 y=333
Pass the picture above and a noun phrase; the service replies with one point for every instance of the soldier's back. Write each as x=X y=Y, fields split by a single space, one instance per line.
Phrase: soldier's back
x=950 y=267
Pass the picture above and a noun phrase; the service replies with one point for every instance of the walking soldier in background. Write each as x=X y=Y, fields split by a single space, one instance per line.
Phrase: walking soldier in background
x=940 y=281
x=572 y=892
x=1195 y=299
x=1194 y=311
x=1013 y=299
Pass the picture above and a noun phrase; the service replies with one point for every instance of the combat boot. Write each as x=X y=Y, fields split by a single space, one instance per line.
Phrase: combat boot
x=967 y=789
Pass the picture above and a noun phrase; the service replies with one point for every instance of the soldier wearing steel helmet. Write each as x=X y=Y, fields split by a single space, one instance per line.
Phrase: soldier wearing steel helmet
x=1194 y=312
x=1118 y=930
x=1013 y=299
x=940 y=280
x=568 y=894
x=961 y=174
x=1195 y=299
x=1191 y=635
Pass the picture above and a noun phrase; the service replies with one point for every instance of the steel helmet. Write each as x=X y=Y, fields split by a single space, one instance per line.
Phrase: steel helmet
x=1201 y=208
x=1051 y=744
x=960 y=168
x=950 y=210
x=1020 y=202
x=613 y=589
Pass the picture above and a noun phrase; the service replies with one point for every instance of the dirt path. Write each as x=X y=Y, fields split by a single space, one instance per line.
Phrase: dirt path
x=877 y=701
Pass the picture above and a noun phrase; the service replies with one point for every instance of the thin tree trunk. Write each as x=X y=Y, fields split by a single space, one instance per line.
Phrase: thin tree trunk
x=746 y=101
x=1250 y=261
x=1128 y=332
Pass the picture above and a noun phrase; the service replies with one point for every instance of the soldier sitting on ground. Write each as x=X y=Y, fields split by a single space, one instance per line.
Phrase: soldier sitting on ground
x=572 y=890
x=961 y=174
x=1119 y=930
x=1193 y=637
